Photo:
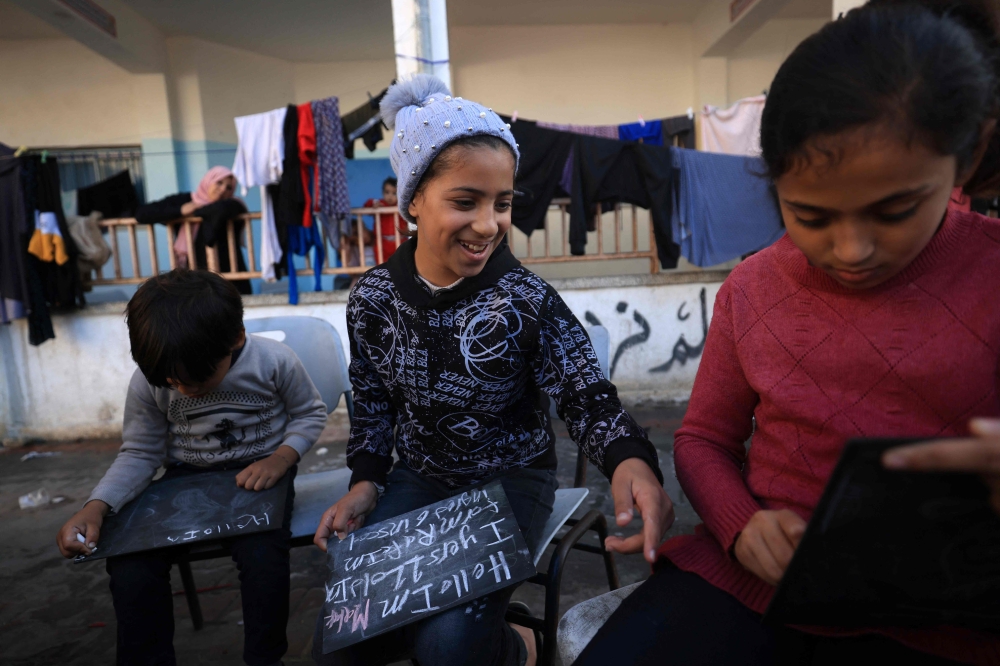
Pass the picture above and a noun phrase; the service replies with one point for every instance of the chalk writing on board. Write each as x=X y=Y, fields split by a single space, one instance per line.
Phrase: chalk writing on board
x=182 y=508
x=401 y=570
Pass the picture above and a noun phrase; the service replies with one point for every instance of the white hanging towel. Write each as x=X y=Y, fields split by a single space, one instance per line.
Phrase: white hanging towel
x=258 y=163
x=734 y=131
x=270 y=248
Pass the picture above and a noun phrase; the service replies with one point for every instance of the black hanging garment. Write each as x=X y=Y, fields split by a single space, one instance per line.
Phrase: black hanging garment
x=113 y=197
x=39 y=320
x=363 y=123
x=679 y=132
x=61 y=284
x=543 y=154
x=14 y=299
x=605 y=170
x=290 y=200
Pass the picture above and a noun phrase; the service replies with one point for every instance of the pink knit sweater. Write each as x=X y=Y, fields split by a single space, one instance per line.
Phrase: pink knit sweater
x=816 y=364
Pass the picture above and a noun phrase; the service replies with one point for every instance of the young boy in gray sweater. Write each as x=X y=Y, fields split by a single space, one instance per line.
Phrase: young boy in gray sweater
x=206 y=396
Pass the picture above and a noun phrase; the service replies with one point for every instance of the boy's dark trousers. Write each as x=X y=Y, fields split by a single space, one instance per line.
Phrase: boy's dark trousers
x=144 y=606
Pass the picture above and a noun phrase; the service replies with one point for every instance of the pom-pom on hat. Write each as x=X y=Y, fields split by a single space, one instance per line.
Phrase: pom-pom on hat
x=425 y=119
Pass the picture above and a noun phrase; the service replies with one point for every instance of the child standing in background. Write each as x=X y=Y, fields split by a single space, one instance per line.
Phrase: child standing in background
x=874 y=316
x=386 y=224
x=206 y=396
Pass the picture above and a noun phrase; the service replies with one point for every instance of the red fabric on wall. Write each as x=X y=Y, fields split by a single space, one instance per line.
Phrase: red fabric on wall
x=307 y=156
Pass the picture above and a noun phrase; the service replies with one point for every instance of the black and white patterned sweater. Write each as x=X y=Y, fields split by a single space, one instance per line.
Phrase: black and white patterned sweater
x=452 y=379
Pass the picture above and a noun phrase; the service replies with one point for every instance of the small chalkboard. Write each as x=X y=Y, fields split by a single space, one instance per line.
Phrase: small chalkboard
x=418 y=564
x=190 y=507
x=890 y=548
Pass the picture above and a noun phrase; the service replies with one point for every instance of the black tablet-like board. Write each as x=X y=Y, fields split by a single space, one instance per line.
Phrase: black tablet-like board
x=421 y=563
x=891 y=548
x=187 y=508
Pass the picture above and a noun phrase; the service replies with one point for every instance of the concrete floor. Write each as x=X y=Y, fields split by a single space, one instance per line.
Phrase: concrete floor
x=56 y=612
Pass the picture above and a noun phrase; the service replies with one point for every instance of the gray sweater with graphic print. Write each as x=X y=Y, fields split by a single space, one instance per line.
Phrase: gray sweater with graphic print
x=265 y=400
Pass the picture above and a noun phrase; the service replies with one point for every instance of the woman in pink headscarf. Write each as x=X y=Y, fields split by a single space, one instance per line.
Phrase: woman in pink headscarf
x=214 y=203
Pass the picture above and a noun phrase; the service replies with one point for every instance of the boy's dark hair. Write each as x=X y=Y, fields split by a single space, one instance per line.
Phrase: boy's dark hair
x=903 y=66
x=391 y=180
x=182 y=323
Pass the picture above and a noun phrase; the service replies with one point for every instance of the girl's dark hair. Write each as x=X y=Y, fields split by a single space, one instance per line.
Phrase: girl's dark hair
x=447 y=157
x=182 y=323
x=904 y=67
x=982 y=19
x=391 y=180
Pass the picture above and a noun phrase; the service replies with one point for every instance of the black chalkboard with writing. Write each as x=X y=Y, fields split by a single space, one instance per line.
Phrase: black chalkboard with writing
x=190 y=507
x=402 y=570
x=890 y=548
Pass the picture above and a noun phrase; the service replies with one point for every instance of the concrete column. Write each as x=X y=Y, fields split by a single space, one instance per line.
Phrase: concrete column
x=420 y=30
x=844 y=6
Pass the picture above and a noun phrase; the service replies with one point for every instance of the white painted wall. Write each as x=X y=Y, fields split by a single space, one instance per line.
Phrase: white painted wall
x=231 y=82
x=57 y=92
x=594 y=74
x=74 y=386
x=753 y=64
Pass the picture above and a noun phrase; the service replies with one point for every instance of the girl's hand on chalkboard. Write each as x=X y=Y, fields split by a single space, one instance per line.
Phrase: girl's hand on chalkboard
x=264 y=473
x=348 y=514
x=980 y=454
x=87 y=521
x=767 y=543
x=634 y=485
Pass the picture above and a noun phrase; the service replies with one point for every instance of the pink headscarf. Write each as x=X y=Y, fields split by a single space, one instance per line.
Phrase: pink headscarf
x=214 y=175
x=201 y=198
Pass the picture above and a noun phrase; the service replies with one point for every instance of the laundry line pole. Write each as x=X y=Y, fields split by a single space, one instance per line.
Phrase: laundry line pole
x=420 y=33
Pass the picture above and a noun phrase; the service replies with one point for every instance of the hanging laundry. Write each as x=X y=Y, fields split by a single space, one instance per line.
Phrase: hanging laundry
x=47 y=241
x=650 y=132
x=260 y=149
x=37 y=308
x=307 y=159
x=734 y=131
x=332 y=198
x=259 y=162
x=289 y=200
x=94 y=250
x=633 y=173
x=300 y=241
x=678 y=131
x=603 y=131
x=363 y=123
x=13 y=231
x=723 y=207
x=544 y=153
x=61 y=284
x=112 y=197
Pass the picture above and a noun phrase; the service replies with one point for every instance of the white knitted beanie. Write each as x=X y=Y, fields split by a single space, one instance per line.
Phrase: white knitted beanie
x=425 y=119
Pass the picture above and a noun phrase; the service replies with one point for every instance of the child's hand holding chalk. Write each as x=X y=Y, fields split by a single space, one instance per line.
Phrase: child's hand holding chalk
x=92 y=546
x=80 y=534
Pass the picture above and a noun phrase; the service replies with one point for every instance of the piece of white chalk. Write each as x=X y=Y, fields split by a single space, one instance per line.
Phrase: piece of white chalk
x=79 y=537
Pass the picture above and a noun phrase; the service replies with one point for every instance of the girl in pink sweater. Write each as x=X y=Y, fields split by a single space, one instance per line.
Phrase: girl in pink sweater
x=874 y=316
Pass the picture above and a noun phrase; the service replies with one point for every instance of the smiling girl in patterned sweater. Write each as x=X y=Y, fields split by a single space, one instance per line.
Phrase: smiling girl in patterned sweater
x=450 y=341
